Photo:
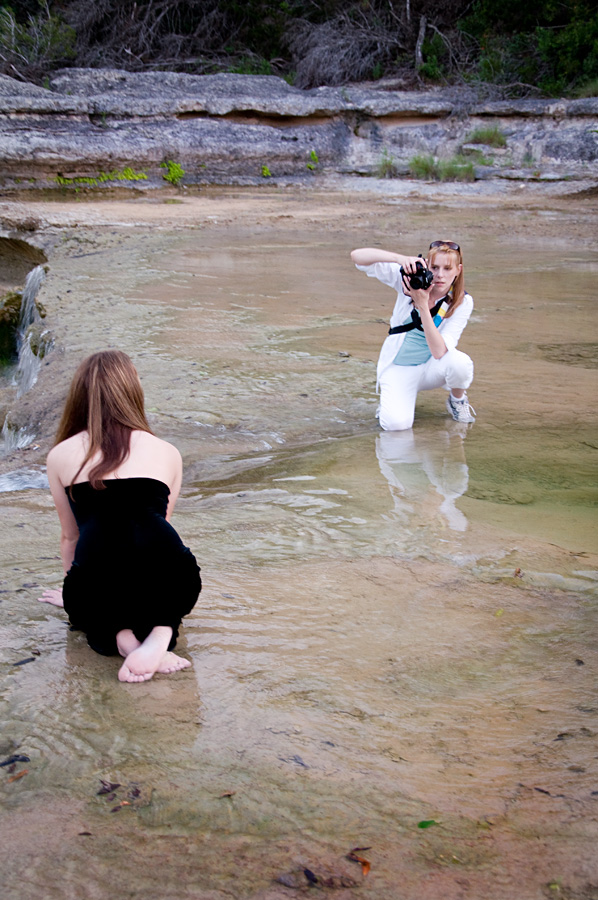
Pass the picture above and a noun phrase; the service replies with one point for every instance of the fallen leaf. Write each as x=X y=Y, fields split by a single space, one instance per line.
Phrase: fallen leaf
x=518 y=573
x=427 y=823
x=17 y=776
x=227 y=794
x=364 y=863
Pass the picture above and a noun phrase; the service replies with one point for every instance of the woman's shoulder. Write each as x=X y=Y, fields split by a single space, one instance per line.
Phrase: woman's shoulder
x=145 y=439
x=466 y=305
x=64 y=458
x=147 y=447
x=71 y=447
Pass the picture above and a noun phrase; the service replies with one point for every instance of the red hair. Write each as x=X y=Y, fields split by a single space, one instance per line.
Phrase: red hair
x=458 y=285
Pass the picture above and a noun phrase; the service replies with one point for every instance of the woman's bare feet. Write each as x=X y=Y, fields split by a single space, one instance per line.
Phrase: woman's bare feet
x=126 y=642
x=52 y=596
x=144 y=660
x=172 y=663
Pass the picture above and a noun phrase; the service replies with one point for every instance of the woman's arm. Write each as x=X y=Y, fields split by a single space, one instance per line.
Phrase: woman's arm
x=176 y=480
x=368 y=256
x=69 y=532
x=435 y=340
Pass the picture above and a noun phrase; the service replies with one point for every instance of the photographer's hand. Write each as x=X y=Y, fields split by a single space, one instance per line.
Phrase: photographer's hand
x=421 y=300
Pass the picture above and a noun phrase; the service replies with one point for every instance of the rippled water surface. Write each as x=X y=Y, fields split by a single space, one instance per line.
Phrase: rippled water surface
x=396 y=630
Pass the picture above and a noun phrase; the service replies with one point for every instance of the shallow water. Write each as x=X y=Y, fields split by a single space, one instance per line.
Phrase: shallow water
x=394 y=628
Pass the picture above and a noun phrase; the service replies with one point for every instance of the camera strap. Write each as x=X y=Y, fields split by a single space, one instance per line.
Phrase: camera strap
x=415 y=320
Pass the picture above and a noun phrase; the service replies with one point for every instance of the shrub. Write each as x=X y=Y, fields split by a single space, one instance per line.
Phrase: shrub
x=589 y=89
x=491 y=135
x=44 y=41
x=424 y=167
x=456 y=169
x=386 y=167
x=430 y=169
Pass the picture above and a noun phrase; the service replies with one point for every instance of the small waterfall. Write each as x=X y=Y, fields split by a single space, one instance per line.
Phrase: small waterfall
x=29 y=314
x=29 y=359
x=29 y=362
x=12 y=438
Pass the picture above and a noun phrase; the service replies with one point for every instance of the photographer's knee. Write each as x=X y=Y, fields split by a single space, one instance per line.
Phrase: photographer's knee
x=459 y=369
x=388 y=422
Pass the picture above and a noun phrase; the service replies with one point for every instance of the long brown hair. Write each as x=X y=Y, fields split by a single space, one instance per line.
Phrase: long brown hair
x=106 y=400
x=458 y=286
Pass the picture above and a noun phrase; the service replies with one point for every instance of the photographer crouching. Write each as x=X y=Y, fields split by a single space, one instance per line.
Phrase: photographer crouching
x=430 y=313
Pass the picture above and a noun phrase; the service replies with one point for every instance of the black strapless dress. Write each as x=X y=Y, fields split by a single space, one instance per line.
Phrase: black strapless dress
x=131 y=569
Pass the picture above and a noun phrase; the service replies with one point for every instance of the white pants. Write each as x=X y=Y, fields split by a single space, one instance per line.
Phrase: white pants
x=399 y=386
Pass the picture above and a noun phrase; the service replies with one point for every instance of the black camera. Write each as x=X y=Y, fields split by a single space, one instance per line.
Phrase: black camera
x=421 y=279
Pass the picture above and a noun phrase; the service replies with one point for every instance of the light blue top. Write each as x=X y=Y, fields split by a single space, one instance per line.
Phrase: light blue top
x=414 y=350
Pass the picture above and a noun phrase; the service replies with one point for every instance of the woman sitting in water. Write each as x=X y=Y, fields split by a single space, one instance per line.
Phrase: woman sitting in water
x=128 y=577
x=419 y=353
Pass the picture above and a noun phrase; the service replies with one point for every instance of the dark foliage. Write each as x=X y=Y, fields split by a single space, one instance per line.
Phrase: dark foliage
x=551 y=45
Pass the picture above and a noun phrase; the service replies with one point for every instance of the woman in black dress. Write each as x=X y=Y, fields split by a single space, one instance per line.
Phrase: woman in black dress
x=129 y=579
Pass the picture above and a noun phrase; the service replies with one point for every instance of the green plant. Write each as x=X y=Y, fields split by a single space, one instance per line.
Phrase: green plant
x=589 y=89
x=435 y=56
x=377 y=71
x=266 y=173
x=251 y=65
x=456 y=169
x=126 y=174
x=424 y=167
x=430 y=169
x=491 y=135
x=44 y=40
x=174 y=172
x=479 y=158
x=386 y=166
x=314 y=160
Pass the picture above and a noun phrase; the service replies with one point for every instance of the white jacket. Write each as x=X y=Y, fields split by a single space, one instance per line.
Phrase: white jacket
x=450 y=329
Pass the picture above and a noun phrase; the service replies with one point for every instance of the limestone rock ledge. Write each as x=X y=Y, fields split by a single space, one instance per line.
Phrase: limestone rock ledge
x=241 y=128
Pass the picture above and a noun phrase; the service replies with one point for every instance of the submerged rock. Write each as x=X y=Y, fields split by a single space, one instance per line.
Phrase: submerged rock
x=39 y=339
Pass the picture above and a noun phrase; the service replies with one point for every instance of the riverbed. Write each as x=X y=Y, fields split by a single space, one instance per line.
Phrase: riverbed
x=395 y=646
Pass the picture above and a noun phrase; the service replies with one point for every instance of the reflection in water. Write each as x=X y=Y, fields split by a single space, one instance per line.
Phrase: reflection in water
x=411 y=461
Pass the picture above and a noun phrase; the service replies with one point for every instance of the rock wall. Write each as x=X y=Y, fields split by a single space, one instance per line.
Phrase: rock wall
x=244 y=128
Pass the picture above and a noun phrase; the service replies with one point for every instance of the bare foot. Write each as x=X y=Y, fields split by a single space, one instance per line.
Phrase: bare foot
x=126 y=642
x=52 y=596
x=142 y=662
x=172 y=663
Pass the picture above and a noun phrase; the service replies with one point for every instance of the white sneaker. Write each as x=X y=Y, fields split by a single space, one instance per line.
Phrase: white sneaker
x=460 y=410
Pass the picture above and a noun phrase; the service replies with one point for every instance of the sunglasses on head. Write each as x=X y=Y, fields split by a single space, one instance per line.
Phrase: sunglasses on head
x=450 y=244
